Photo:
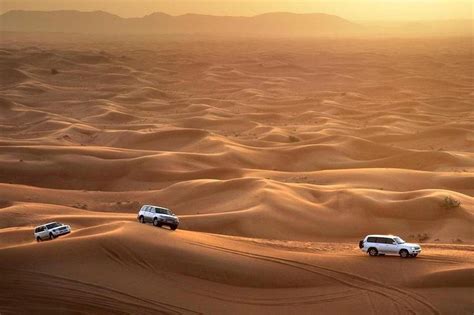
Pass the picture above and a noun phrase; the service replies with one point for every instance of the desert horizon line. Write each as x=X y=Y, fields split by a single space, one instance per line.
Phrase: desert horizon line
x=236 y=16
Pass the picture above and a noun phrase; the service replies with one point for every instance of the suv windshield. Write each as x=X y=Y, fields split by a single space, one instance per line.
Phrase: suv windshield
x=399 y=240
x=53 y=225
x=163 y=211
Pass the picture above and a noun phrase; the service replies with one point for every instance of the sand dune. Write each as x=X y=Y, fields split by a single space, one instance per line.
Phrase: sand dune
x=278 y=156
x=448 y=278
x=222 y=273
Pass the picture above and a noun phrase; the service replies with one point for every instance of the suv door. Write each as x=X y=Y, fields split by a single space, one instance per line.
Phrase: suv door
x=43 y=232
x=158 y=212
x=370 y=242
x=381 y=245
x=148 y=215
x=391 y=246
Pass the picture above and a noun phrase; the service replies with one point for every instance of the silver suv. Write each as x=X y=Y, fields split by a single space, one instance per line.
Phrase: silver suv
x=159 y=216
x=388 y=244
x=50 y=231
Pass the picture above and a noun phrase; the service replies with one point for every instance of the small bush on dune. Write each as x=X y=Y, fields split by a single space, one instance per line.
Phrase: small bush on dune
x=54 y=71
x=450 y=203
x=293 y=139
x=423 y=237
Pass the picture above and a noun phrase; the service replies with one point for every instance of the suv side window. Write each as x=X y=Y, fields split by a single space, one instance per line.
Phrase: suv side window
x=381 y=240
x=371 y=239
x=159 y=210
x=387 y=240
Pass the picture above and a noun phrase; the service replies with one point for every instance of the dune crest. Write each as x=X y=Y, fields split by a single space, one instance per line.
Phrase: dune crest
x=277 y=155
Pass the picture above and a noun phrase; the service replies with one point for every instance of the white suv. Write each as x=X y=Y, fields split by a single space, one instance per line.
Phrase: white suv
x=50 y=231
x=159 y=216
x=388 y=244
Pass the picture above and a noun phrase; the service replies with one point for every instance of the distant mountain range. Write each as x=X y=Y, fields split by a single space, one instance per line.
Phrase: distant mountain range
x=269 y=24
x=282 y=24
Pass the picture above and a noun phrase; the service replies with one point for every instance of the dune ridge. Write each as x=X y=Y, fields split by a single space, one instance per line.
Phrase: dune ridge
x=277 y=155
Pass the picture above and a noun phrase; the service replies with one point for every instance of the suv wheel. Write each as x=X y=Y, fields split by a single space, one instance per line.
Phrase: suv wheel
x=51 y=236
x=373 y=251
x=173 y=227
x=141 y=219
x=38 y=239
x=156 y=222
x=404 y=253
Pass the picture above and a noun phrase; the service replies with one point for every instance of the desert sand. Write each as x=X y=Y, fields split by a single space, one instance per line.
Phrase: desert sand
x=277 y=155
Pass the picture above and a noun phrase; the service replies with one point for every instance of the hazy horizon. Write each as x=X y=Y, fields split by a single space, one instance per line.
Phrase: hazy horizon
x=282 y=135
x=364 y=10
x=263 y=13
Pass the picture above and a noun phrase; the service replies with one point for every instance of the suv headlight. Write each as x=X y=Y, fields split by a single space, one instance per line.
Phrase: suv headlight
x=413 y=248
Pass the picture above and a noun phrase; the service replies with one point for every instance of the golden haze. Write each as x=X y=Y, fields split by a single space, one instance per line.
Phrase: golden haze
x=349 y=9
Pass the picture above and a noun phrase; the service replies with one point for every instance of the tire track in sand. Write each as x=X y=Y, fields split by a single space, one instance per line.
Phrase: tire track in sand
x=74 y=293
x=406 y=301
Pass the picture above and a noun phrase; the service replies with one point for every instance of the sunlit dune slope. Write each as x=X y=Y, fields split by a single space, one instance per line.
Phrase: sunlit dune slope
x=277 y=155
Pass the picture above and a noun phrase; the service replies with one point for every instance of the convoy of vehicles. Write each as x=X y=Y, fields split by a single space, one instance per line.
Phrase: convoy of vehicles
x=374 y=245
x=159 y=216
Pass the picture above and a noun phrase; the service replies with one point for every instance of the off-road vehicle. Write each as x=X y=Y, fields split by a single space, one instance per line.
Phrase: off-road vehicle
x=50 y=231
x=388 y=244
x=159 y=216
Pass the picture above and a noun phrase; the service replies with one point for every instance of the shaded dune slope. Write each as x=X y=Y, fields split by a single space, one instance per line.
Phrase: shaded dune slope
x=278 y=156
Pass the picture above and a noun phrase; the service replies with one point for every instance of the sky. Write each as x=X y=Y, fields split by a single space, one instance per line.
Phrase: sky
x=356 y=10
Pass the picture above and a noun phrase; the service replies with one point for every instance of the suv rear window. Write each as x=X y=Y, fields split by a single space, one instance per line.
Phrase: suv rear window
x=371 y=239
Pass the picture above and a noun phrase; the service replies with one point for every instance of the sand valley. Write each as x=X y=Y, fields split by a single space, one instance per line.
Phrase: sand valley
x=278 y=155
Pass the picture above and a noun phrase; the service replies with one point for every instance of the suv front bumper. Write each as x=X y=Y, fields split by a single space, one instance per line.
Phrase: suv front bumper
x=64 y=232
x=414 y=251
x=169 y=221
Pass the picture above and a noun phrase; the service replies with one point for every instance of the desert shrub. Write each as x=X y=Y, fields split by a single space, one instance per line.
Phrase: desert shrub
x=423 y=237
x=450 y=203
x=54 y=71
x=80 y=206
x=293 y=139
